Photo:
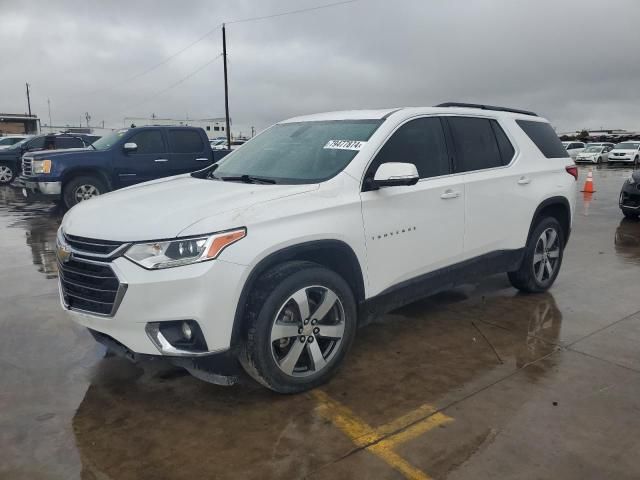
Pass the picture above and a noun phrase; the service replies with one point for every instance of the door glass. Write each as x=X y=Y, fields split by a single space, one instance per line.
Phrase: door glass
x=475 y=144
x=420 y=142
x=36 y=143
x=148 y=141
x=185 y=141
x=504 y=145
x=69 y=142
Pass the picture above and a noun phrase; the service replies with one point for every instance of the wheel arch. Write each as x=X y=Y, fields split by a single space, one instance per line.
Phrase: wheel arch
x=335 y=255
x=92 y=172
x=556 y=207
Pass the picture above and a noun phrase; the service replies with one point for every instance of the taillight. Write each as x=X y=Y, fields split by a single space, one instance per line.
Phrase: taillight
x=573 y=171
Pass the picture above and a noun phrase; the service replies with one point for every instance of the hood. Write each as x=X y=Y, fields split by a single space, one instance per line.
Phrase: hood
x=163 y=208
x=57 y=153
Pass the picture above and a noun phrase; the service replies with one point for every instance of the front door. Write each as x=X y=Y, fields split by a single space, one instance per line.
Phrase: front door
x=150 y=159
x=413 y=230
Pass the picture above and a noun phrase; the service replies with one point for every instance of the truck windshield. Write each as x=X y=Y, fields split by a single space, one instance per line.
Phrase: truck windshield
x=108 y=141
x=300 y=152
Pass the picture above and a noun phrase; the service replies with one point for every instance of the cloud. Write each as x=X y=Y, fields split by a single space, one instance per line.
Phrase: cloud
x=573 y=62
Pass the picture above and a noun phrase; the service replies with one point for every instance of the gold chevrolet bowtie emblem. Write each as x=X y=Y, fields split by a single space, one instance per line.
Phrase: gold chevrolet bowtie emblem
x=64 y=253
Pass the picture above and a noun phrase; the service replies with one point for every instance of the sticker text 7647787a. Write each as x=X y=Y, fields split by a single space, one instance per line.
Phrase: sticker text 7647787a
x=345 y=144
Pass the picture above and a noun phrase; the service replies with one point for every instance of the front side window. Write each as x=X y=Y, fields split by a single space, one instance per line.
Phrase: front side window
x=475 y=144
x=148 y=141
x=185 y=141
x=36 y=143
x=300 y=152
x=421 y=142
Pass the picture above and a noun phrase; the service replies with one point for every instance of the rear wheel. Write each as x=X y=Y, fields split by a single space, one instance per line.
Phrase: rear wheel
x=82 y=188
x=542 y=258
x=301 y=322
x=7 y=173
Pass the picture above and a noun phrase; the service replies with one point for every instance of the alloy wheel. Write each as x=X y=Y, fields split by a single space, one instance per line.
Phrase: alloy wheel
x=85 y=192
x=6 y=174
x=307 y=331
x=546 y=255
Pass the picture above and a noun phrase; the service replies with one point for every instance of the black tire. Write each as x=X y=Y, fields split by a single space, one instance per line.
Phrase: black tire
x=599 y=161
x=525 y=279
x=630 y=215
x=8 y=173
x=268 y=300
x=69 y=191
x=636 y=161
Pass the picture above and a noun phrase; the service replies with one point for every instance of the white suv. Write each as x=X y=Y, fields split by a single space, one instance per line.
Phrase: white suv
x=273 y=257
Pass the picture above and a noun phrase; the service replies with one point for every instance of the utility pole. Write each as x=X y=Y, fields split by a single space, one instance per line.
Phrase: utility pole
x=253 y=131
x=226 y=85
x=87 y=118
x=28 y=99
x=49 y=107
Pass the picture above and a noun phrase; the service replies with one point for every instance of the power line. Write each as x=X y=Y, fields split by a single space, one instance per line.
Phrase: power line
x=291 y=12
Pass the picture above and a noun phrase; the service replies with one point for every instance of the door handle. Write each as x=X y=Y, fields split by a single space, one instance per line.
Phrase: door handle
x=201 y=159
x=161 y=160
x=449 y=194
x=524 y=181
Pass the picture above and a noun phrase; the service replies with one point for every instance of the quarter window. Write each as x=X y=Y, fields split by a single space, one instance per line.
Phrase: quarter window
x=148 y=141
x=544 y=137
x=185 y=141
x=475 y=144
x=421 y=142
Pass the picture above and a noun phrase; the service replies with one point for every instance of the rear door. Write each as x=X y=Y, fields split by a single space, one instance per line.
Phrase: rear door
x=482 y=153
x=413 y=230
x=150 y=160
x=188 y=150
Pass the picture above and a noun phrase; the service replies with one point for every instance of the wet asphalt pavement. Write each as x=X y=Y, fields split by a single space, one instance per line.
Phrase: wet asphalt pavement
x=478 y=382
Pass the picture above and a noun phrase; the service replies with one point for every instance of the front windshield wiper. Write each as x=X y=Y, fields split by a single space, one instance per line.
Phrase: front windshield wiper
x=248 y=179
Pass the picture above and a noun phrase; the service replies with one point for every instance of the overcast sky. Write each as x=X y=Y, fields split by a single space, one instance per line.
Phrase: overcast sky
x=575 y=62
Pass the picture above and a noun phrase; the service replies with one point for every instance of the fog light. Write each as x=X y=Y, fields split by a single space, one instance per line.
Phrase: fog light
x=186 y=331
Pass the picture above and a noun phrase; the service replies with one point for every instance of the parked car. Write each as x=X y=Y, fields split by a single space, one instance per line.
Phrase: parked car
x=10 y=157
x=594 y=154
x=124 y=158
x=630 y=196
x=601 y=144
x=223 y=144
x=626 y=152
x=11 y=140
x=272 y=257
x=574 y=148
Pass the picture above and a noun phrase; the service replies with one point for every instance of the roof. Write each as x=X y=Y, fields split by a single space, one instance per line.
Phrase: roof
x=343 y=115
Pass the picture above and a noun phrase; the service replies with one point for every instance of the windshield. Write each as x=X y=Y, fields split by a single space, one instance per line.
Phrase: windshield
x=302 y=152
x=593 y=149
x=108 y=141
x=627 y=146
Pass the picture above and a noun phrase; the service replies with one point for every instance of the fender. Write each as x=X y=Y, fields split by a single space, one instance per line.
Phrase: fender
x=552 y=201
x=80 y=170
x=319 y=251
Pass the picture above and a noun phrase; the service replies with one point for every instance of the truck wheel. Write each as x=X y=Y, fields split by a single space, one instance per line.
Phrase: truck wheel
x=82 y=188
x=301 y=321
x=542 y=258
x=7 y=173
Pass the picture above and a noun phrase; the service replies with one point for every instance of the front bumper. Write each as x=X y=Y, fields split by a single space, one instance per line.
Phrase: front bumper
x=36 y=189
x=630 y=198
x=621 y=159
x=586 y=160
x=205 y=292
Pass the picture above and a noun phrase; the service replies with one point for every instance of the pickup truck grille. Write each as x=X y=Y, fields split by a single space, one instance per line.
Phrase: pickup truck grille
x=27 y=166
x=92 y=247
x=90 y=286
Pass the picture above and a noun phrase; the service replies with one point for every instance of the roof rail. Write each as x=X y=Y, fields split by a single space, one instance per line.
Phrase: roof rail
x=487 y=107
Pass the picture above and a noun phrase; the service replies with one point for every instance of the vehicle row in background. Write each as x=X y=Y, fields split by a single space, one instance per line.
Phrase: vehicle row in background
x=625 y=152
x=11 y=156
x=9 y=140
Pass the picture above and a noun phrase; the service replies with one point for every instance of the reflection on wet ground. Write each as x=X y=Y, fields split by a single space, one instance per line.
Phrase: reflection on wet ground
x=535 y=386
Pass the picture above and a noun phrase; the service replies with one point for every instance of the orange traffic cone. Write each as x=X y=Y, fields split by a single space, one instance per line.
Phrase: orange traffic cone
x=588 y=184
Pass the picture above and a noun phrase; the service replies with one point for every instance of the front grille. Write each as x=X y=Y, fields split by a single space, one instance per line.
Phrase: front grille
x=91 y=246
x=27 y=166
x=90 y=286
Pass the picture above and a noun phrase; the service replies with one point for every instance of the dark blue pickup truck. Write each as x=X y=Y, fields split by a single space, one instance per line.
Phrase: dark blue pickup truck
x=123 y=158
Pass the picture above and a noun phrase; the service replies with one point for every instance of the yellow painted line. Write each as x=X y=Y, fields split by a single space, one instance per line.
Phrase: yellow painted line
x=381 y=441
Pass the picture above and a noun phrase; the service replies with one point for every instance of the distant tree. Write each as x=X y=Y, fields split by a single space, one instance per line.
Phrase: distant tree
x=583 y=135
x=565 y=138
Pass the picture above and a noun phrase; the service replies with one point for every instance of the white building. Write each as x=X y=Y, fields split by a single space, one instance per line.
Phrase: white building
x=215 y=127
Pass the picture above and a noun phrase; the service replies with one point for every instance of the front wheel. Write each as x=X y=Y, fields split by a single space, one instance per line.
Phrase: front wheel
x=82 y=188
x=301 y=320
x=7 y=173
x=599 y=161
x=542 y=258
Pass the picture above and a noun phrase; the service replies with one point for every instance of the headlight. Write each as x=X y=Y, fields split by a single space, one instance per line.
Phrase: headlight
x=42 y=166
x=182 y=251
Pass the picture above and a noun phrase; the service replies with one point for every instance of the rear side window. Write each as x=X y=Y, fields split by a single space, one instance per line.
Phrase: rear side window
x=420 y=142
x=544 y=137
x=504 y=145
x=185 y=141
x=475 y=144
x=148 y=141
x=69 y=142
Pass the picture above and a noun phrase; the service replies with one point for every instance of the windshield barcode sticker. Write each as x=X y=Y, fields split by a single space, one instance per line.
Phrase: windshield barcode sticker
x=345 y=144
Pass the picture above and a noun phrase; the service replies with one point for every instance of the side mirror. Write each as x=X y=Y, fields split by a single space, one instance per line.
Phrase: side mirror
x=395 y=174
x=130 y=147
